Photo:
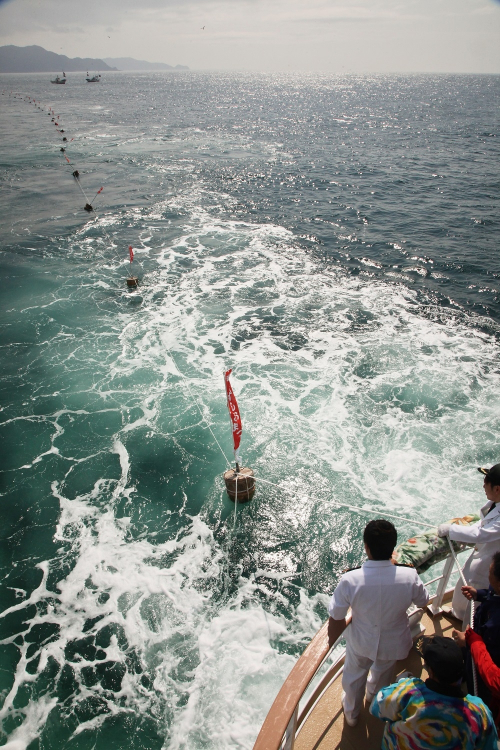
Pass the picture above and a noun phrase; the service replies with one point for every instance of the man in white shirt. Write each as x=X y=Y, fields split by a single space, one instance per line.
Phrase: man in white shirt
x=379 y=594
x=485 y=535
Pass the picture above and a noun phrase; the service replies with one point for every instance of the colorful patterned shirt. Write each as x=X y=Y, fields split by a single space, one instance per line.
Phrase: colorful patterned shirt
x=419 y=718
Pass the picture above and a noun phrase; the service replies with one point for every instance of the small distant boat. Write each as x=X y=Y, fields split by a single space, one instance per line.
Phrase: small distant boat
x=93 y=79
x=58 y=79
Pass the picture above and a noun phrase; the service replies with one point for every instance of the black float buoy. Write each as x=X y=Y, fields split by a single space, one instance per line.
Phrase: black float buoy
x=65 y=139
x=240 y=481
x=132 y=282
x=76 y=173
x=88 y=207
x=63 y=149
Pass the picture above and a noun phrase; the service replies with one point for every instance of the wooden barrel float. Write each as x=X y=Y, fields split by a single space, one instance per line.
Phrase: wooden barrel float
x=132 y=281
x=245 y=485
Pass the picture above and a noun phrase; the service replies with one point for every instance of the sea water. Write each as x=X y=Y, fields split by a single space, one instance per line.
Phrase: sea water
x=334 y=241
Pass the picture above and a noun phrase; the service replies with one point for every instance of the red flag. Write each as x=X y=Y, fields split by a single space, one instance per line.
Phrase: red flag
x=234 y=412
x=67 y=160
x=100 y=191
x=131 y=253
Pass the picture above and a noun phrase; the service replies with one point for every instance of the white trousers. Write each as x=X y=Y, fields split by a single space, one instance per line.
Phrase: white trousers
x=360 y=672
x=476 y=574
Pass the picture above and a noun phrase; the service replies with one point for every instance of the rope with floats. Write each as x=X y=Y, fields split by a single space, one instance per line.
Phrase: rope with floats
x=132 y=281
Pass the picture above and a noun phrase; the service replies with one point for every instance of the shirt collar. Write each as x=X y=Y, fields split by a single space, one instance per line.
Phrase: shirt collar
x=377 y=563
x=453 y=691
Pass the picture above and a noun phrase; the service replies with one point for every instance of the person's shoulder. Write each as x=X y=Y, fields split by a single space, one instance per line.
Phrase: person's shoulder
x=407 y=688
x=478 y=706
x=350 y=570
x=411 y=683
x=350 y=575
x=406 y=572
x=492 y=517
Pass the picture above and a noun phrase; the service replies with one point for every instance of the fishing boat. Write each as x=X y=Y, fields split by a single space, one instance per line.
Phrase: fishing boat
x=307 y=712
x=93 y=79
x=58 y=79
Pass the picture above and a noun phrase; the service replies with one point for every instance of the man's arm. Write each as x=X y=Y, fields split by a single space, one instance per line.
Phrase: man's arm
x=338 y=609
x=486 y=667
x=420 y=595
x=335 y=629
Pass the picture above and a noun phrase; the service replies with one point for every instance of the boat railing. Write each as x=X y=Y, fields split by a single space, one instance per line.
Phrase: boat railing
x=286 y=716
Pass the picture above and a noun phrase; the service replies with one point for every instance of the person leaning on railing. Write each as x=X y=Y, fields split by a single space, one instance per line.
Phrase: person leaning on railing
x=485 y=535
x=486 y=633
x=379 y=594
x=435 y=713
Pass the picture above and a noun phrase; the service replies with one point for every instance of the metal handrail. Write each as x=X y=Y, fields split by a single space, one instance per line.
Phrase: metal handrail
x=281 y=724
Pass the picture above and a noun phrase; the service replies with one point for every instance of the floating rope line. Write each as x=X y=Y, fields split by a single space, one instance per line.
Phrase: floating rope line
x=58 y=124
x=56 y=119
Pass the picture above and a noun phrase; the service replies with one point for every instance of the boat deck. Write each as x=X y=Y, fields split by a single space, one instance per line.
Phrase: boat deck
x=324 y=728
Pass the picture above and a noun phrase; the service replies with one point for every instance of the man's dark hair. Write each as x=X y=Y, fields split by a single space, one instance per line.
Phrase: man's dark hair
x=496 y=565
x=380 y=537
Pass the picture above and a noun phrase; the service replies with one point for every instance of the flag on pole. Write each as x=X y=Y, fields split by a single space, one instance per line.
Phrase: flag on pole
x=131 y=253
x=234 y=412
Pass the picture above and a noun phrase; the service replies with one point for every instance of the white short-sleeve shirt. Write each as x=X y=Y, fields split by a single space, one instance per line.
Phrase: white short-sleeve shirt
x=379 y=594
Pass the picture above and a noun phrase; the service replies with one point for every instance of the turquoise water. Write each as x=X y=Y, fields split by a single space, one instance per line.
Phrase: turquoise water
x=334 y=240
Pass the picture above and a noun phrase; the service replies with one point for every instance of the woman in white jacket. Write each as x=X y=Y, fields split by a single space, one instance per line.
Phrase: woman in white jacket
x=485 y=535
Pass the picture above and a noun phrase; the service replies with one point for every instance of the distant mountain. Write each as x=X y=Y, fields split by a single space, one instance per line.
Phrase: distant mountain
x=36 y=59
x=128 y=63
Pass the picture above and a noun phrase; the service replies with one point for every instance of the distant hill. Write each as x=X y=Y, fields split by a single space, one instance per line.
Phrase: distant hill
x=36 y=59
x=128 y=63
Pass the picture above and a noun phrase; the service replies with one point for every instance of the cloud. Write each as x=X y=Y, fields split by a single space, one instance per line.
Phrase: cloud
x=426 y=35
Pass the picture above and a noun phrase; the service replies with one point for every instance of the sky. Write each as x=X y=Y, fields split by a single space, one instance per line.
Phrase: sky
x=337 y=36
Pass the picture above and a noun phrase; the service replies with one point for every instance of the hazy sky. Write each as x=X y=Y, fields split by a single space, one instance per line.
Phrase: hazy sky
x=275 y=35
